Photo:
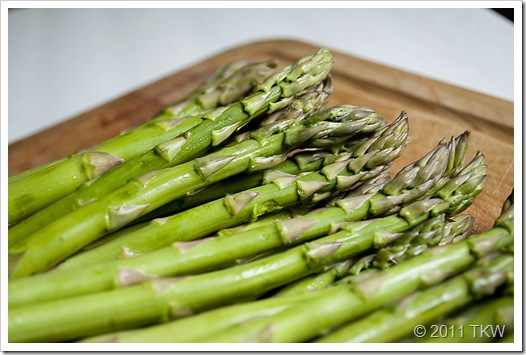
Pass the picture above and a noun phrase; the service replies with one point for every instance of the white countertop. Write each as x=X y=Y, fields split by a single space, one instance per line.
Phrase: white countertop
x=66 y=61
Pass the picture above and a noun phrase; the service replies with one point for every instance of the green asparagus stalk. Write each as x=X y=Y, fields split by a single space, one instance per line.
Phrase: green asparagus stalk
x=201 y=132
x=497 y=313
x=283 y=214
x=409 y=184
x=372 y=185
x=221 y=88
x=229 y=83
x=172 y=122
x=486 y=320
x=56 y=241
x=178 y=259
x=201 y=327
x=296 y=163
x=422 y=237
x=232 y=186
x=355 y=265
x=283 y=191
x=188 y=139
x=413 y=242
x=39 y=189
x=392 y=323
x=194 y=329
x=160 y=299
x=299 y=162
x=387 y=328
x=286 y=213
x=338 y=305
x=318 y=281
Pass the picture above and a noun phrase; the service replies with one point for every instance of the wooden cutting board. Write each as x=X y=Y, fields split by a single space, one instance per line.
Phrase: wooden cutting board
x=436 y=111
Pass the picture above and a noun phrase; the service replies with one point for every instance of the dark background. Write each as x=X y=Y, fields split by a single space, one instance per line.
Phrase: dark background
x=508 y=13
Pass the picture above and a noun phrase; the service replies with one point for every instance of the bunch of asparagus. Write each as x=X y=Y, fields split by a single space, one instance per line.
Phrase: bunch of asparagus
x=249 y=211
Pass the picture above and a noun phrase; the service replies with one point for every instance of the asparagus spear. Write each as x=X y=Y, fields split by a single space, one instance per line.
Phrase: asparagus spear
x=299 y=161
x=28 y=195
x=144 y=163
x=286 y=213
x=54 y=242
x=42 y=187
x=385 y=324
x=433 y=227
x=194 y=329
x=200 y=328
x=164 y=298
x=167 y=128
x=410 y=183
x=392 y=323
x=176 y=260
x=372 y=185
x=228 y=83
x=237 y=184
x=497 y=312
x=285 y=190
x=318 y=281
x=340 y=304
x=413 y=242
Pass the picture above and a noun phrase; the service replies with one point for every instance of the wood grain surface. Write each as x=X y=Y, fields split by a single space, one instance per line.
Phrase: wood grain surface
x=436 y=111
